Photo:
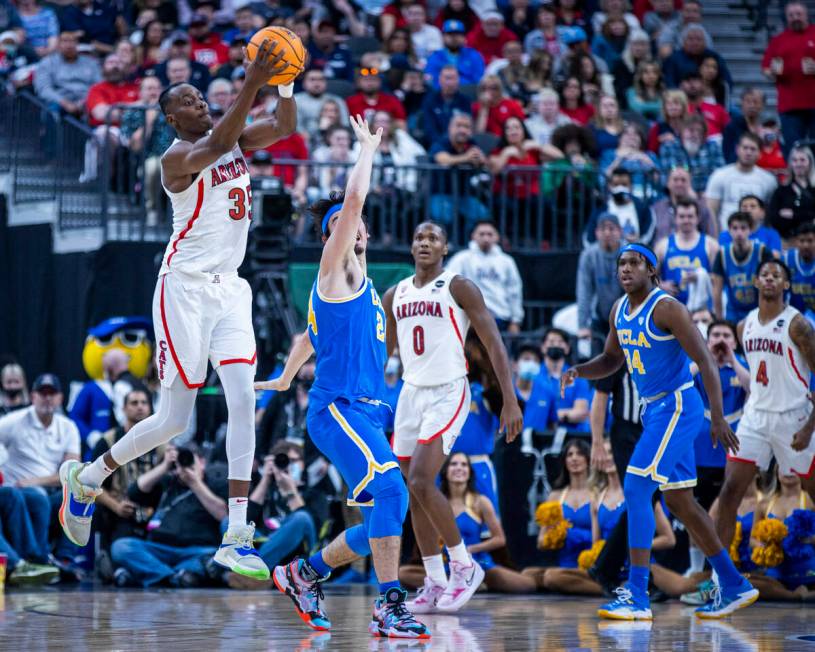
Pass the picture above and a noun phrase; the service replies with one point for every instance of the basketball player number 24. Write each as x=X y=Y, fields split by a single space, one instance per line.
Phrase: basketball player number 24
x=242 y=200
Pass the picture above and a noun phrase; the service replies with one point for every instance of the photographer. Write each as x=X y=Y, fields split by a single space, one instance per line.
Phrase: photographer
x=184 y=532
x=278 y=503
x=285 y=415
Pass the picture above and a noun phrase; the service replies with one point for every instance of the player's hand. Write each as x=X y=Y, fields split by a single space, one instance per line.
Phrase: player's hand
x=512 y=420
x=364 y=135
x=801 y=439
x=722 y=433
x=277 y=384
x=567 y=380
x=599 y=456
x=265 y=64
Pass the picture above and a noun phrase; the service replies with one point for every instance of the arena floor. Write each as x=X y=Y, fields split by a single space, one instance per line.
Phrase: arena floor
x=202 y=620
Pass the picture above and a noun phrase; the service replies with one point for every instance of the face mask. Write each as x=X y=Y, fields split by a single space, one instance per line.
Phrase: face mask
x=769 y=138
x=555 y=353
x=13 y=393
x=620 y=194
x=528 y=369
x=691 y=147
x=296 y=472
x=392 y=366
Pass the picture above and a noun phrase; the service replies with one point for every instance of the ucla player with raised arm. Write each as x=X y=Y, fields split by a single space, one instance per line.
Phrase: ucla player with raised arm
x=346 y=330
x=653 y=334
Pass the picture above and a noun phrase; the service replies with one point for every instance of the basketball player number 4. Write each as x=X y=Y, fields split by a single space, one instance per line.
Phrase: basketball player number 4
x=761 y=374
x=242 y=200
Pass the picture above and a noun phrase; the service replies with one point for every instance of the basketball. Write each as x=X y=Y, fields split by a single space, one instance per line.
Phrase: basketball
x=294 y=52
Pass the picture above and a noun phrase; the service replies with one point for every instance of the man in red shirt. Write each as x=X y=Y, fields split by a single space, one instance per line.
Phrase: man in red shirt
x=294 y=177
x=715 y=115
x=370 y=99
x=493 y=109
x=207 y=46
x=113 y=90
x=490 y=36
x=790 y=62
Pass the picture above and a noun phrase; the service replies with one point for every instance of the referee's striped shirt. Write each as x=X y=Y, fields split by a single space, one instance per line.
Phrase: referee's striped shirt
x=623 y=395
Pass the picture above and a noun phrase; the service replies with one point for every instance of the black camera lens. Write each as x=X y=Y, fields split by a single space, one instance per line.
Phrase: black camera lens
x=185 y=458
x=281 y=461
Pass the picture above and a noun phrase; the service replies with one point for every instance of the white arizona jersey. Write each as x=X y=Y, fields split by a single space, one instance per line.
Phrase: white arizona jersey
x=431 y=328
x=211 y=218
x=779 y=375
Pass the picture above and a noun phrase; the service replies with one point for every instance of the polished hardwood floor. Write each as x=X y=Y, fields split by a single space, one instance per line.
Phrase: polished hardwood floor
x=205 y=619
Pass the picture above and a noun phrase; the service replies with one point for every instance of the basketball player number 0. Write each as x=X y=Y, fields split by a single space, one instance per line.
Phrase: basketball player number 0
x=242 y=199
x=418 y=340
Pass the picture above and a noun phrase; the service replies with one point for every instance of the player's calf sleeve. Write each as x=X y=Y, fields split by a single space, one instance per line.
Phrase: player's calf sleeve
x=641 y=522
x=390 y=507
x=237 y=381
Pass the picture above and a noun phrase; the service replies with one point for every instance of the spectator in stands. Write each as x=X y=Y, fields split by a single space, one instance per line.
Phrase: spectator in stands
x=594 y=82
x=771 y=157
x=519 y=17
x=220 y=93
x=292 y=147
x=426 y=38
x=410 y=89
x=571 y=13
x=207 y=46
x=577 y=43
x=331 y=115
x=637 y=50
x=714 y=114
x=284 y=418
x=393 y=17
x=610 y=42
x=96 y=23
x=398 y=55
x=540 y=69
x=440 y=105
x=663 y=16
x=687 y=59
x=495 y=273
x=546 y=36
x=41 y=26
x=268 y=10
x=679 y=186
x=395 y=159
x=633 y=215
x=693 y=152
x=801 y=261
x=645 y=94
x=260 y=164
x=63 y=78
x=17 y=62
x=547 y=116
x=112 y=90
x=536 y=397
x=613 y=9
x=759 y=232
x=669 y=127
x=180 y=48
x=572 y=409
x=246 y=24
x=716 y=89
x=13 y=389
x=324 y=53
x=371 y=99
x=457 y=10
x=789 y=61
x=630 y=155
x=184 y=530
x=19 y=543
x=752 y=106
x=597 y=286
x=38 y=440
x=492 y=109
x=469 y=62
x=513 y=72
x=670 y=38
x=793 y=204
x=572 y=102
x=458 y=190
x=490 y=36
x=234 y=59
x=729 y=184
x=150 y=49
x=126 y=52
x=607 y=124
x=311 y=100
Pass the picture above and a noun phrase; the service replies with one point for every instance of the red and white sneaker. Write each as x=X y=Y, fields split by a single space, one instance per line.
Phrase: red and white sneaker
x=426 y=597
x=464 y=582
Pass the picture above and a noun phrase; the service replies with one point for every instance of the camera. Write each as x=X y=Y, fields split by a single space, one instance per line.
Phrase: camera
x=281 y=461
x=185 y=458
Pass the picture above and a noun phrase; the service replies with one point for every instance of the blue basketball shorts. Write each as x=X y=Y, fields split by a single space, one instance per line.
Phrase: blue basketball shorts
x=352 y=437
x=665 y=452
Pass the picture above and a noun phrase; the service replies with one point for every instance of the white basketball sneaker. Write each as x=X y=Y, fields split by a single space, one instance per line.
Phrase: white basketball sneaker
x=426 y=597
x=464 y=582
x=238 y=554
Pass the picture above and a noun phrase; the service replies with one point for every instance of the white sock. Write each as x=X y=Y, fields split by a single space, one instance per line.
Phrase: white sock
x=95 y=473
x=237 y=512
x=697 y=560
x=434 y=567
x=459 y=553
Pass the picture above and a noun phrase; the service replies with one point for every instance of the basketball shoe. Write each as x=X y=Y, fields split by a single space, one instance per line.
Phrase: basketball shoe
x=305 y=592
x=238 y=554
x=392 y=619
x=629 y=604
x=426 y=597
x=725 y=600
x=77 y=503
x=464 y=582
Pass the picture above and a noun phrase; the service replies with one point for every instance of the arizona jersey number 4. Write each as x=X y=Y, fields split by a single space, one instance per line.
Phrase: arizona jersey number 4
x=761 y=374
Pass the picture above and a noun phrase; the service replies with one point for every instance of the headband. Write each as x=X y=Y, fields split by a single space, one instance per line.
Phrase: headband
x=336 y=208
x=642 y=250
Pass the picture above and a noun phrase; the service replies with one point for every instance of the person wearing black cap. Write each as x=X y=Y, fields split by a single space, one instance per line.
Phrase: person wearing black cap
x=326 y=55
x=234 y=60
x=180 y=48
x=261 y=164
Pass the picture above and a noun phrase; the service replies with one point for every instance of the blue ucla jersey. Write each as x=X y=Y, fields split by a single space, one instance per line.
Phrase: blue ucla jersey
x=738 y=281
x=678 y=260
x=656 y=361
x=766 y=235
x=348 y=336
x=802 y=287
x=478 y=433
x=733 y=398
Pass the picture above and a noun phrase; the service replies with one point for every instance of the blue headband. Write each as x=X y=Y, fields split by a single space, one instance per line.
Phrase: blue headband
x=336 y=208
x=641 y=250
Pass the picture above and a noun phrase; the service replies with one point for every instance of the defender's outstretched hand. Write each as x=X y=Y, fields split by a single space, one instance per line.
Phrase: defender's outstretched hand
x=364 y=135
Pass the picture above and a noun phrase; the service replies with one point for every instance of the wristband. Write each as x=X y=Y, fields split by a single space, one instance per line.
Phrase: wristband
x=285 y=90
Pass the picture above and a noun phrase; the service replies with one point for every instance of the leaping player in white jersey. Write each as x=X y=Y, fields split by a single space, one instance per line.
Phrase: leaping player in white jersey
x=201 y=308
x=429 y=314
x=778 y=420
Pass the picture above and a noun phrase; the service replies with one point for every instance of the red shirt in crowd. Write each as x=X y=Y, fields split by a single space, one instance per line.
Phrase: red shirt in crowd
x=211 y=50
x=772 y=160
x=500 y=113
x=292 y=147
x=490 y=48
x=581 y=115
x=795 y=89
x=715 y=115
x=521 y=184
x=361 y=104
x=106 y=93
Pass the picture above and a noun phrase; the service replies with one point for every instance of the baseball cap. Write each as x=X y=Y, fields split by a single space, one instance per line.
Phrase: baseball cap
x=46 y=381
x=493 y=15
x=261 y=156
x=239 y=73
x=606 y=216
x=453 y=27
x=528 y=346
x=572 y=35
x=9 y=35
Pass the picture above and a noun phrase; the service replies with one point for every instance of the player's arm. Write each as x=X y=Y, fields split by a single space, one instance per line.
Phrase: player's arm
x=468 y=296
x=265 y=132
x=187 y=158
x=391 y=340
x=803 y=336
x=597 y=423
x=673 y=317
x=605 y=364
x=344 y=232
x=301 y=351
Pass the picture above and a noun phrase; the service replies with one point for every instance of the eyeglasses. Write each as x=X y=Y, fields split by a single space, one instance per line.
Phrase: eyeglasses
x=368 y=72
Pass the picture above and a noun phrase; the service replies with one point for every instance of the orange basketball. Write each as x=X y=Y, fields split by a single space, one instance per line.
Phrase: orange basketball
x=294 y=52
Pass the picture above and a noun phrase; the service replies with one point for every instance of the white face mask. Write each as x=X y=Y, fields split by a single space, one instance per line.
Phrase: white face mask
x=528 y=369
x=296 y=472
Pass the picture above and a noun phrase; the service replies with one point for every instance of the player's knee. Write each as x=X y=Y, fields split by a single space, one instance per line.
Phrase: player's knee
x=677 y=502
x=357 y=540
x=637 y=488
x=420 y=485
x=390 y=506
x=241 y=400
x=122 y=549
x=730 y=494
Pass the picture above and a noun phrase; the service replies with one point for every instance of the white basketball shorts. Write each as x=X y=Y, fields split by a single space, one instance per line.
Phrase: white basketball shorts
x=763 y=435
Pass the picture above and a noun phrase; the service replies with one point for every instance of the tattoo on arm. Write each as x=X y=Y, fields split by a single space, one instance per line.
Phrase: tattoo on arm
x=803 y=335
